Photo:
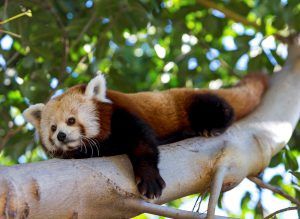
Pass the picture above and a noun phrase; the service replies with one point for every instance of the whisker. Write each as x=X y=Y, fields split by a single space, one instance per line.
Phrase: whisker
x=92 y=150
x=90 y=144
x=98 y=152
x=85 y=150
x=98 y=145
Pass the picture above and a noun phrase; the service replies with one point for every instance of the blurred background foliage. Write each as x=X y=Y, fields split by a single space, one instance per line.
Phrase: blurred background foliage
x=143 y=45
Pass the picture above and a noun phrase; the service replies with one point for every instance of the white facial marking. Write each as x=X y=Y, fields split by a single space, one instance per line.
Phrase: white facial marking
x=58 y=111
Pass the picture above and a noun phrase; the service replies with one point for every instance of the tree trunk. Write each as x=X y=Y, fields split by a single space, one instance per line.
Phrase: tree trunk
x=105 y=188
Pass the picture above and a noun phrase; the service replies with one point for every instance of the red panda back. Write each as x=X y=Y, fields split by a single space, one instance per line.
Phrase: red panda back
x=166 y=111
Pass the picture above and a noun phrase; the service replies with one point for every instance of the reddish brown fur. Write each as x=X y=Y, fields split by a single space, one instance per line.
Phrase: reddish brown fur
x=170 y=107
x=104 y=115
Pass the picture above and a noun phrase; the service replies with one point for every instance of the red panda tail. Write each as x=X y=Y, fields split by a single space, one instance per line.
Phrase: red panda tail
x=246 y=95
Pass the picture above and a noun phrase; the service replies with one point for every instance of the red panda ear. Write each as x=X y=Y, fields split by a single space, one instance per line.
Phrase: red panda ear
x=96 y=88
x=33 y=114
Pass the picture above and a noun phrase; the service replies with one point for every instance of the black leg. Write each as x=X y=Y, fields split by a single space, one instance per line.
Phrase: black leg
x=137 y=139
x=144 y=159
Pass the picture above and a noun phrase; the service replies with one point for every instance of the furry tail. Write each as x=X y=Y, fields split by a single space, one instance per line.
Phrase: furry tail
x=246 y=95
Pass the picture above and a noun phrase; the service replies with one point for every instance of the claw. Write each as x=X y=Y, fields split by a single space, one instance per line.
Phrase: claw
x=151 y=187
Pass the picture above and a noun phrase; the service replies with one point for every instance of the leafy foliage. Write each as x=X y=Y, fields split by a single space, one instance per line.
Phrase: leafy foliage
x=140 y=45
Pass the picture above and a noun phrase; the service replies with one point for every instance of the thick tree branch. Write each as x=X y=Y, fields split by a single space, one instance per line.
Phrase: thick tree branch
x=105 y=188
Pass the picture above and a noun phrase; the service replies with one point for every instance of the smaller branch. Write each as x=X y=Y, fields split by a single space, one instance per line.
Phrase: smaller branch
x=26 y=13
x=201 y=198
x=12 y=58
x=8 y=135
x=10 y=33
x=222 y=61
x=260 y=206
x=216 y=187
x=66 y=50
x=65 y=76
x=230 y=69
x=280 y=211
x=85 y=28
x=165 y=211
x=274 y=189
x=290 y=39
x=65 y=36
x=5 y=9
x=228 y=13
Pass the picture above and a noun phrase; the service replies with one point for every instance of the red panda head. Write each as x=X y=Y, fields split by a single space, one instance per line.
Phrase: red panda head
x=66 y=121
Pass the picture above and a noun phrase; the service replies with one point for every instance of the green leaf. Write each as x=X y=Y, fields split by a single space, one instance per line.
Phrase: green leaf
x=276 y=180
x=296 y=174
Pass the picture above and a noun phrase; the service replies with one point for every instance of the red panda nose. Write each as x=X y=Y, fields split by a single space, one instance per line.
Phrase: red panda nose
x=61 y=136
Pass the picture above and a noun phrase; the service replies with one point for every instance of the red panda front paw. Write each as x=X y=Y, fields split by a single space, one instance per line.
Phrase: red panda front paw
x=150 y=186
x=211 y=133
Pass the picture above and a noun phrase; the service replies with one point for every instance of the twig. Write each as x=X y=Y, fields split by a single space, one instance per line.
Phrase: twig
x=5 y=9
x=230 y=69
x=62 y=78
x=26 y=13
x=10 y=33
x=228 y=13
x=274 y=189
x=280 y=211
x=201 y=199
x=222 y=61
x=12 y=58
x=85 y=28
x=65 y=37
x=215 y=190
x=199 y=196
x=8 y=135
x=238 y=18
x=146 y=207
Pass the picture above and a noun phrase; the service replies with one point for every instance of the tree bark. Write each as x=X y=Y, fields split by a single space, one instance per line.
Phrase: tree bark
x=105 y=188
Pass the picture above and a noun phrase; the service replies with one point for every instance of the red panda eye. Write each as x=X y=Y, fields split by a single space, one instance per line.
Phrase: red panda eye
x=53 y=128
x=71 y=121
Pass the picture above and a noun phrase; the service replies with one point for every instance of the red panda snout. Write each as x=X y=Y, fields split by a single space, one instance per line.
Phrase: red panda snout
x=61 y=136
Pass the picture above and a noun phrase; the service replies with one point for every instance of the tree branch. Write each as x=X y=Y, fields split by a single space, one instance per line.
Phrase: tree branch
x=280 y=211
x=85 y=28
x=10 y=133
x=228 y=13
x=10 y=33
x=104 y=187
x=274 y=189
x=216 y=186
x=65 y=37
x=164 y=211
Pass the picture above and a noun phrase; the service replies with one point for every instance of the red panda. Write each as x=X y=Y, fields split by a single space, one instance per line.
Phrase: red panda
x=91 y=121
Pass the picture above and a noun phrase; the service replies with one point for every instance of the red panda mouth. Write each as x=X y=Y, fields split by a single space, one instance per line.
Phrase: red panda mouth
x=72 y=148
x=69 y=141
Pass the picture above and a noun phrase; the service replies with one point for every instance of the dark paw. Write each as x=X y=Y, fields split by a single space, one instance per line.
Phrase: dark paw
x=151 y=186
x=211 y=133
